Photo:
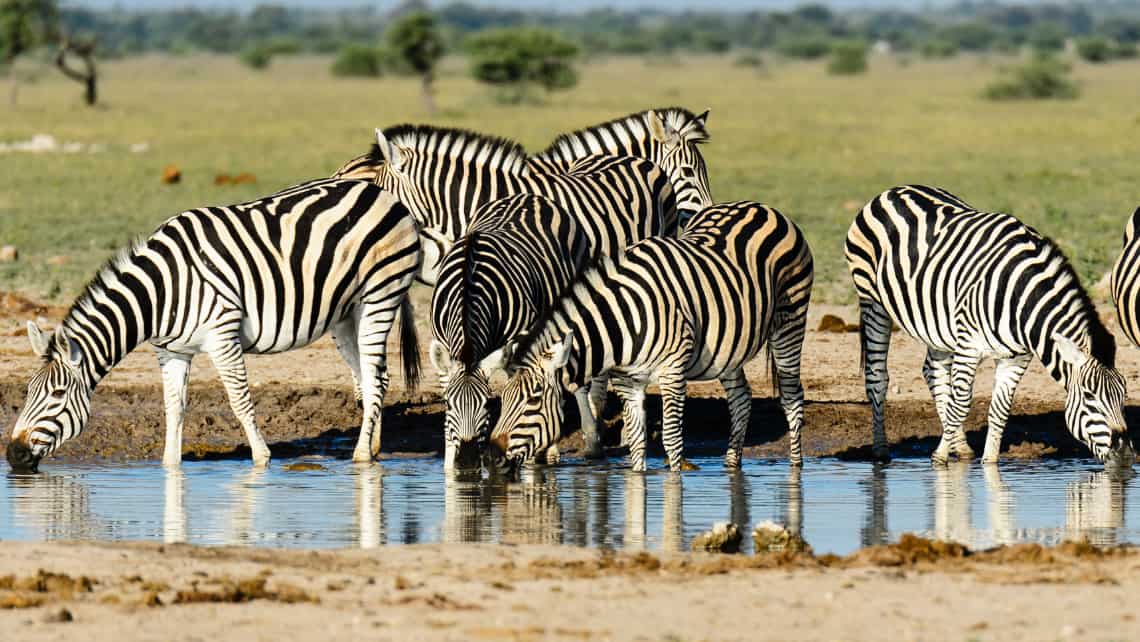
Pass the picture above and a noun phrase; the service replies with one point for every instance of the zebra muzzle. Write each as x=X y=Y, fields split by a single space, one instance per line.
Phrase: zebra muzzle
x=21 y=458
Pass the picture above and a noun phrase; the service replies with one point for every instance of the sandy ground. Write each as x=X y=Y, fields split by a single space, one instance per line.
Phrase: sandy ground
x=304 y=402
x=911 y=591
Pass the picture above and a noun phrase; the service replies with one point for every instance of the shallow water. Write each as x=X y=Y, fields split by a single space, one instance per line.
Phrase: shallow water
x=837 y=506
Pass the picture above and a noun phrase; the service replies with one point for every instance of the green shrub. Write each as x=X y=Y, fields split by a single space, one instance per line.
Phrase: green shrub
x=1124 y=50
x=848 y=58
x=515 y=59
x=806 y=47
x=750 y=59
x=357 y=60
x=1095 y=49
x=1040 y=79
x=938 y=48
x=255 y=57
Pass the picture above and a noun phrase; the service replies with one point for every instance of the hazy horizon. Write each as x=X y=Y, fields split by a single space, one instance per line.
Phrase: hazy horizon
x=566 y=6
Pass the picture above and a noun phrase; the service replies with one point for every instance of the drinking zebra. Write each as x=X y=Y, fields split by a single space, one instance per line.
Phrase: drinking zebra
x=265 y=276
x=1126 y=281
x=671 y=310
x=972 y=285
x=445 y=175
x=669 y=137
x=495 y=282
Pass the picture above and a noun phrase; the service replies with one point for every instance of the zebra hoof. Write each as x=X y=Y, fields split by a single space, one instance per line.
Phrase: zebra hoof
x=796 y=462
x=594 y=451
x=881 y=454
x=965 y=454
x=362 y=458
x=939 y=460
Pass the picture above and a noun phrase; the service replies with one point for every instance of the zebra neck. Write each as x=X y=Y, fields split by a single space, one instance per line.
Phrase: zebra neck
x=1045 y=347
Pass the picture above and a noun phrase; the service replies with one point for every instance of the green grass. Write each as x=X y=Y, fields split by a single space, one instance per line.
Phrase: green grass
x=813 y=145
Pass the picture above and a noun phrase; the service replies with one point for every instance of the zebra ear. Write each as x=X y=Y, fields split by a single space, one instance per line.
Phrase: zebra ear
x=40 y=341
x=661 y=131
x=391 y=153
x=560 y=353
x=69 y=347
x=499 y=359
x=439 y=356
x=1071 y=353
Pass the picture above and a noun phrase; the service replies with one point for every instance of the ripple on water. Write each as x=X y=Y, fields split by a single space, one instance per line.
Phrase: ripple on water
x=315 y=502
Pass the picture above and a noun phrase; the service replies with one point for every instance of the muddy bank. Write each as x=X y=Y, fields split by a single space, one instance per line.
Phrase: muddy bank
x=127 y=424
x=916 y=589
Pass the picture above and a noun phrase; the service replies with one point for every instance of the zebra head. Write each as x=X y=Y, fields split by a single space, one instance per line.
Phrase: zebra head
x=1094 y=405
x=531 y=416
x=466 y=389
x=58 y=403
x=682 y=160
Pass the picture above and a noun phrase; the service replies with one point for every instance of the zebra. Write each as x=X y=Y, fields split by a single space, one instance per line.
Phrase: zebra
x=971 y=285
x=445 y=175
x=517 y=257
x=667 y=136
x=264 y=276
x=696 y=307
x=1126 y=281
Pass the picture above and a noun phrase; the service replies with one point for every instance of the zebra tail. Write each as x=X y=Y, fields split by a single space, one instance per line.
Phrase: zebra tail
x=773 y=374
x=409 y=345
x=862 y=345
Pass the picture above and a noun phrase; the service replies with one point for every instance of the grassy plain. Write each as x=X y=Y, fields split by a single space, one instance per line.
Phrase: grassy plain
x=815 y=146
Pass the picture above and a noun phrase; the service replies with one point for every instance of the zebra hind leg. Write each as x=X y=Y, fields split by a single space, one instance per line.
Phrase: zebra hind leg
x=962 y=370
x=344 y=336
x=739 y=396
x=786 y=346
x=226 y=353
x=175 y=372
x=632 y=393
x=1006 y=377
x=875 y=340
x=591 y=400
x=673 y=388
x=373 y=326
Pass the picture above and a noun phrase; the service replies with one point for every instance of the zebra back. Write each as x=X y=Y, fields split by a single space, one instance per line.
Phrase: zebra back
x=518 y=255
x=669 y=137
x=1126 y=281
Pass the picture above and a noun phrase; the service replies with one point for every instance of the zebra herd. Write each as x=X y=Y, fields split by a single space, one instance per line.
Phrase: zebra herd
x=601 y=263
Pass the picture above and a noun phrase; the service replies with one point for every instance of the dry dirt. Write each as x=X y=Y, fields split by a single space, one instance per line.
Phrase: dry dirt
x=305 y=404
x=915 y=590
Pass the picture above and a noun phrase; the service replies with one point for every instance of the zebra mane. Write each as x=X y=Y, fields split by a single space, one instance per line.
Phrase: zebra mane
x=600 y=263
x=467 y=354
x=98 y=283
x=678 y=117
x=510 y=155
x=1102 y=345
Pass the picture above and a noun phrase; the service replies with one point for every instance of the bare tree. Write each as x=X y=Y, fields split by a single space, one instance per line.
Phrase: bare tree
x=88 y=75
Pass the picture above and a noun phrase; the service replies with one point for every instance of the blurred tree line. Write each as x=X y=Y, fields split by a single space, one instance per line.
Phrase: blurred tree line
x=808 y=31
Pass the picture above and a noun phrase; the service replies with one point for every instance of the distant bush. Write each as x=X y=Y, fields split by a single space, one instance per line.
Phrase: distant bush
x=283 y=46
x=357 y=60
x=805 y=47
x=255 y=57
x=848 y=58
x=750 y=59
x=1047 y=37
x=938 y=48
x=1040 y=79
x=515 y=59
x=1126 y=50
x=1095 y=49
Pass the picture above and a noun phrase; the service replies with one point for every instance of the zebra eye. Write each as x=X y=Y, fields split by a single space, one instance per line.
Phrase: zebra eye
x=58 y=393
x=1089 y=396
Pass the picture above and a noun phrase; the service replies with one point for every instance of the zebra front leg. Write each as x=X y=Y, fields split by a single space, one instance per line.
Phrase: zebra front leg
x=590 y=413
x=632 y=393
x=962 y=371
x=936 y=372
x=739 y=397
x=229 y=361
x=1006 y=377
x=175 y=373
x=371 y=344
x=344 y=336
x=875 y=335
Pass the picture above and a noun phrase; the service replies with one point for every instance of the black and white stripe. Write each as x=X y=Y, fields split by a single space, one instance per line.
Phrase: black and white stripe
x=494 y=283
x=670 y=310
x=266 y=276
x=1126 y=281
x=445 y=175
x=973 y=285
x=668 y=136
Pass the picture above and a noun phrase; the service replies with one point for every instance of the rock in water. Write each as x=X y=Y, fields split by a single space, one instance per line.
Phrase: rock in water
x=770 y=537
x=724 y=537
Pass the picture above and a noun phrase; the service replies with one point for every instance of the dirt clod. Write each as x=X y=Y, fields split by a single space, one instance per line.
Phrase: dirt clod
x=724 y=537
x=60 y=616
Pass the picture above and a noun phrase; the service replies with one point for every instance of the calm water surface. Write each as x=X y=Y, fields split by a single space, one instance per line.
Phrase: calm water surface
x=838 y=506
